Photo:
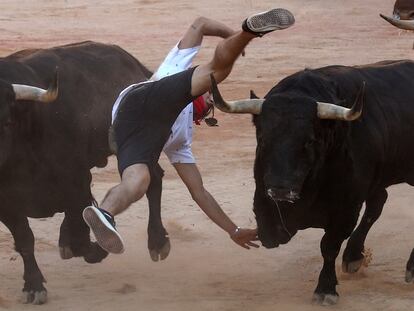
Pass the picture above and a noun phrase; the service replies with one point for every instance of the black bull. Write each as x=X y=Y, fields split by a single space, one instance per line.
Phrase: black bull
x=47 y=150
x=314 y=172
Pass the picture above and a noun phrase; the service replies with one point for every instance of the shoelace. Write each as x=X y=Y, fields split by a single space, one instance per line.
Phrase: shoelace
x=108 y=217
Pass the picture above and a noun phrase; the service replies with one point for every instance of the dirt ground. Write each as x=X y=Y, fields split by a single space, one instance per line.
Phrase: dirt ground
x=205 y=270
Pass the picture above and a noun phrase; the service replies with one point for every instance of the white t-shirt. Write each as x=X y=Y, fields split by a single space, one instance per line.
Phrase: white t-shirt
x=178 y=146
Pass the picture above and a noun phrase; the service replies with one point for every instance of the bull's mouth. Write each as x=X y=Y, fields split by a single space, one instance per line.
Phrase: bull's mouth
x=283 y=195
x=277 y=238
x=268 y=244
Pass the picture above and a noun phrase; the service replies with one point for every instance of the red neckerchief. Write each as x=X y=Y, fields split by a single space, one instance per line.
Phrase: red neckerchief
x=200 y=109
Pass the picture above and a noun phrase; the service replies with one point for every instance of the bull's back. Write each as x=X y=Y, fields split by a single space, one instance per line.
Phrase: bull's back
x=385 y=134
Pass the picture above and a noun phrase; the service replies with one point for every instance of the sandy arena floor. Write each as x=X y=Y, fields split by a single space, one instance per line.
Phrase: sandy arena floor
x=205 y=270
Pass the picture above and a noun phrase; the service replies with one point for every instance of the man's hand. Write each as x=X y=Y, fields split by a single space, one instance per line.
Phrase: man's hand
x=244 y=237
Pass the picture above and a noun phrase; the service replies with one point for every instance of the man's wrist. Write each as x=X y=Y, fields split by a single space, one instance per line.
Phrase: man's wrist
x=235 y=231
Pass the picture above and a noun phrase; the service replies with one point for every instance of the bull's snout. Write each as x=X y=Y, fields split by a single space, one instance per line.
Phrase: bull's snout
x=280 y=194
x=269 y=243
x=273 y=237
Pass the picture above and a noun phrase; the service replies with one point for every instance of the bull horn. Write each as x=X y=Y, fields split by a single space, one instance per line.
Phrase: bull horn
x=335 y=112
x=253 y=106
x=26 y=92
x=402 y=24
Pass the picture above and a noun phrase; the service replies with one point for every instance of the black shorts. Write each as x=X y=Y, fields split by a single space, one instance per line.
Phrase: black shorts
x=145 y=116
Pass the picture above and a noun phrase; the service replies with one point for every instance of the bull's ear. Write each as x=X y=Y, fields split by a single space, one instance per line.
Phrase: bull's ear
x=253 y=95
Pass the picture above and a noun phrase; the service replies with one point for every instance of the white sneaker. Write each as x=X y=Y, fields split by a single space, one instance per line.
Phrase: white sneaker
x=264 y=22
x=102 y=225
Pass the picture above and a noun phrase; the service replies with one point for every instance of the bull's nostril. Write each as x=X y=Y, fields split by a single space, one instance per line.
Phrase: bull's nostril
x=278 y=194
x=293 y=195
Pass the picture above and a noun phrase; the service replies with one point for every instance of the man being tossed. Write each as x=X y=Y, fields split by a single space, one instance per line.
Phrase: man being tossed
x=145 y=113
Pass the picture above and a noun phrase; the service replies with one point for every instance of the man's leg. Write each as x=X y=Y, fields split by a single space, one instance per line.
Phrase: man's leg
x=225 y=55
x=134 y=184
x=137 y=178
x=231 y=48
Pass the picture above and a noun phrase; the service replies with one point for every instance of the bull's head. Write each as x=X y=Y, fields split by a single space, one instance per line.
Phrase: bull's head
x=291 y=146
x=403 y=15
x=10 y=96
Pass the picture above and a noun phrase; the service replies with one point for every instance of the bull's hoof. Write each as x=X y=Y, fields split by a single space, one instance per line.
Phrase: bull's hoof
x=34 y=297
x=95 y=253
x=65 y=252
x=325 y=299
x=353 y=266
x=162 y=253
x=409 y=276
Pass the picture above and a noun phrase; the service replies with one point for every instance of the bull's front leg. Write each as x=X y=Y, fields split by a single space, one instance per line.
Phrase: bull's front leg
x=74 y=237
x=158 y=241
x=353 y=256
x=325 y=293
x=33 y=290
x=74 y=240
x=65 y=250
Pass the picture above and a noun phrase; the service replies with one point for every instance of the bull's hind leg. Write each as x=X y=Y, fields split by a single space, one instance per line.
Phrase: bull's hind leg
x=158 y=241
x=353 y=256
x=33 y=290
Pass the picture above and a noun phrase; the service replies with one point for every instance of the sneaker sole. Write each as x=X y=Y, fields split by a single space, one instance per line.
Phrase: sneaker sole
x=108 y=238
x=276 y=19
